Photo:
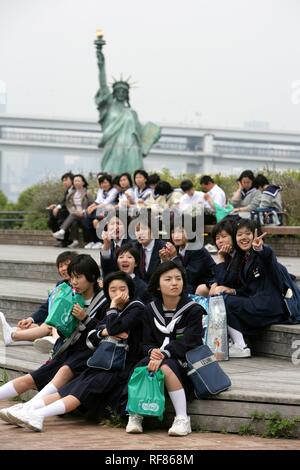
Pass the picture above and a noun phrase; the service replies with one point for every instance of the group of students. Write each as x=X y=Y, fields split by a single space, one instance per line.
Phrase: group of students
x=144 y=299
x=79 y=207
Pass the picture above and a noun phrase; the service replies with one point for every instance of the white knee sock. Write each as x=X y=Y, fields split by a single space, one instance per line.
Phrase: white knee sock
x=47 y=390
x=35 y=404
x=8 y=391
x=178 y=400
x=54 y=409
x=237 y=337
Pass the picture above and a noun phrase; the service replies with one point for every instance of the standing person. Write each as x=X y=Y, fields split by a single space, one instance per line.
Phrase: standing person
x=70 y=358
x=34 y=328
x=122 y=139
x=172 y=326
x=95 y=388
x=59 y=212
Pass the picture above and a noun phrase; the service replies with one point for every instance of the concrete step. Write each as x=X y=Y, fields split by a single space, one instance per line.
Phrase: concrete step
x=27 y=237
x=260 y=387
x=31 y=270
x=19 y=299
x=277 y=341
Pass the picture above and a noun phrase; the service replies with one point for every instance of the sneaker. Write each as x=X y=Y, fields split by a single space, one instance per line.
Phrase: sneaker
x=89 y=246
x=5 y=331
x=3 y=412
x=181 y=426
x=134 y=425
x=97 y=246
x=235 y=350
x=26 y=417
x=44 y=345
x=59 y=235
x=74 y=244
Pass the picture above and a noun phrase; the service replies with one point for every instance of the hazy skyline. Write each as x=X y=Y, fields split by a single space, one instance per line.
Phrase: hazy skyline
x=207 y=62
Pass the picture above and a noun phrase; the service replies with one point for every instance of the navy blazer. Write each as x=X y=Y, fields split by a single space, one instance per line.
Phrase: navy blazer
x=154 y=260
x=258 y=301
x=199 y=267
x=109 y=265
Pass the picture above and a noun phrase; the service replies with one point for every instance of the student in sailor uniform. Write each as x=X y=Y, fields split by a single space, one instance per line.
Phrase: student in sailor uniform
x=141 y=191
x=70 y=358
x=256 y=300
x=95 y=388
x=172 y=326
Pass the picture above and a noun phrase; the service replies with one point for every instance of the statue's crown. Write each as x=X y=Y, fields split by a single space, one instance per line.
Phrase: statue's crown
x=121 y=84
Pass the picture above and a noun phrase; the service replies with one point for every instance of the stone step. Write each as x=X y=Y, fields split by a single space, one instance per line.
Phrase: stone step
x=19 y=299
x=277 y=341
x=260 y=388
x=27 y=237
x=30 y=270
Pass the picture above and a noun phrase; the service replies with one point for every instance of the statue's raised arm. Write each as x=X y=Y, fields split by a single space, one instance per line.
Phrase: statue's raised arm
x=124 y=140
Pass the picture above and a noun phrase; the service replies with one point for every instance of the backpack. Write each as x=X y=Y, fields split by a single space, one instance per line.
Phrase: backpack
x=290 y=292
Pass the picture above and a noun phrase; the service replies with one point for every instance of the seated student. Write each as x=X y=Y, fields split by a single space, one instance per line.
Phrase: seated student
x=128 y=260
x=198 y=263
x=126 y=194
x=191 y=199
x=164 y=197
x=148 y=248
x=141 y=191
x=172 y=326
x=246 y=198
x=271 y=193
x=59 y=212
x=77 y=202
x=105 y=199
x=256 y=301
x=222 y=235
x=213 y=194
x=33 y=328
x=94 y=388
x=71 y=353
x=113 y=236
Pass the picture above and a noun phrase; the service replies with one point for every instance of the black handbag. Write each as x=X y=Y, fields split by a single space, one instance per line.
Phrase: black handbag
x=207 y=377
x=109 y=355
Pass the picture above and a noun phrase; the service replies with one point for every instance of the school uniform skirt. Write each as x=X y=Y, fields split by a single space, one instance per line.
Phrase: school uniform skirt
x=95 y=386
x=250 y=314
x=74 y=358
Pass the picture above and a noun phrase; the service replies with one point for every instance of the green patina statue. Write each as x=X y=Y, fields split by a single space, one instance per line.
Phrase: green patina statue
x=125 y=141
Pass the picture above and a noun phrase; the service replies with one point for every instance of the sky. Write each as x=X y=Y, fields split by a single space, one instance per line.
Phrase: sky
x=196 y=62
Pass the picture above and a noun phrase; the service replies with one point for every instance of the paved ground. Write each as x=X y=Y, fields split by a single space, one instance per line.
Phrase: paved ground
x=74 y=433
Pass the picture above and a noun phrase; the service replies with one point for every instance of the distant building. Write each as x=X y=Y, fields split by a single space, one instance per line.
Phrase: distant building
x=36 y=148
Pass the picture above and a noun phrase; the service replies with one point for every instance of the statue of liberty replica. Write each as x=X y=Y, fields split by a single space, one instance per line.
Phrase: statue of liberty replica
x=125 y=141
